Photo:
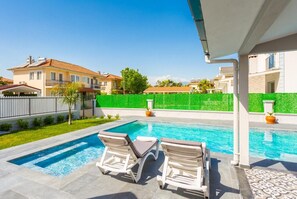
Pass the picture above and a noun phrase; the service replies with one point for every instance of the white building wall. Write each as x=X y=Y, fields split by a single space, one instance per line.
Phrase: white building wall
x=261 y=67
x=290 y=83
x=281 y=82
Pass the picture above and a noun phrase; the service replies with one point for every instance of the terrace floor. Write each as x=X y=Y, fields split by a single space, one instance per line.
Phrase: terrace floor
x=88 y=182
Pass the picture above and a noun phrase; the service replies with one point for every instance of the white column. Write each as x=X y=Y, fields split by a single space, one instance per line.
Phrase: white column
x=244 y=111
x=235 y=115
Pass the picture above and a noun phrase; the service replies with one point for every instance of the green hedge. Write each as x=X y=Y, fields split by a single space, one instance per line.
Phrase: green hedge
x=284 y=102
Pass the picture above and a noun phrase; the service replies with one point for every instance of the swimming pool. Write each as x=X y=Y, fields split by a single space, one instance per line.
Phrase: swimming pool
x=63 y=159
x=270 y=144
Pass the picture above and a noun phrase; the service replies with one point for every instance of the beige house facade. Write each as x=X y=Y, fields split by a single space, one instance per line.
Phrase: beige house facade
x=268 y=73
x=46 y=73
x=110 y=84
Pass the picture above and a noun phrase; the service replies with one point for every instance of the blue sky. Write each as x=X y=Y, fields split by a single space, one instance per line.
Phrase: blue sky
x=158 y=37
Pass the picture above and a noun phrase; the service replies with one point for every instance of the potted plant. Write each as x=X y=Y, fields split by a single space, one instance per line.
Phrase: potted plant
x=270 y=118
x=148 y=112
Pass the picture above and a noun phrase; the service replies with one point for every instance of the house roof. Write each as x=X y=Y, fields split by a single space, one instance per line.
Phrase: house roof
x=7 y=80
x=19 y=88
x=112 y=77
x=57 y=64
x=185 y=89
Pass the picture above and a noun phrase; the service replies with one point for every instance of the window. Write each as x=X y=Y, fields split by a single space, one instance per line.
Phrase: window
x=31 y=75
x=74 y=78
x=53 y=76
x=86 y=80
x=270 y=61
x=104 y=83
x=271 y=87
x=60 y=77
x=39 y=75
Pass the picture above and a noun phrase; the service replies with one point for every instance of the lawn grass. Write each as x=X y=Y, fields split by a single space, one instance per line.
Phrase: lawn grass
x=30 y=135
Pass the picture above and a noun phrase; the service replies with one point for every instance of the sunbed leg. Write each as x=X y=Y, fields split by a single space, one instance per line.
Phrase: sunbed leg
x=161 y=179
x=141 y=164
x=206 y=174
x=157 y=152
x=207 y=159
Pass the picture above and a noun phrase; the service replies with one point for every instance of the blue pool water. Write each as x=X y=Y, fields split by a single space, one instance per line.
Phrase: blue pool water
x=61 y=160
x=270 y=144
x=64 y=159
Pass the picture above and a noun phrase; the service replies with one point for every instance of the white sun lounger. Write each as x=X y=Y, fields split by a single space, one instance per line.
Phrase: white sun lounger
x=186 y=165
x=121 y=154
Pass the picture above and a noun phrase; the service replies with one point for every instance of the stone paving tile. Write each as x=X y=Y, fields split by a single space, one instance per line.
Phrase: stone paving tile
x=9 y=194
x=9 y=181
x=32 y=189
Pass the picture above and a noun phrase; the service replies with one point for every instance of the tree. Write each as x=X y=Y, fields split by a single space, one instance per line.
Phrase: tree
x=168 y=83
x=2 y=82
x=205 y=84
x=133 y=82
x=70 y=93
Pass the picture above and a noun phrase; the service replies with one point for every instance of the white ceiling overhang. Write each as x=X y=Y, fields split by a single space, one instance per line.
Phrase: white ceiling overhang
x=237 y=26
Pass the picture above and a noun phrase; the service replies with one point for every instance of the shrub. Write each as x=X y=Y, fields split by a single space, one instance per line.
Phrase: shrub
x=5 y=127
x=60 y=118
x=117 y=116
x=23 y=124
x=37 y=122
x=102 y=116
x=109 y=116
x=48 y=120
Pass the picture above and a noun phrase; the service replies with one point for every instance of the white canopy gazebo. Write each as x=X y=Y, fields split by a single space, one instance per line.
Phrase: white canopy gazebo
x=244 y=27
x=19 y=88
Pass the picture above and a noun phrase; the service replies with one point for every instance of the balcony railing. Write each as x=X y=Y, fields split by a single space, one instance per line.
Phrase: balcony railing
x=95 y=86
x=55 y=82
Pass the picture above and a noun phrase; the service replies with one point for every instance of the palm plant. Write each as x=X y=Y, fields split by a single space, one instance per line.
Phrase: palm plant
x=204 y=85
x=70 y=94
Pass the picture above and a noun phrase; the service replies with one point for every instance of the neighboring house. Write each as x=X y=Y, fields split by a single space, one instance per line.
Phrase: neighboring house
x=6 y=80
x=194 y=84
x=268 y=73
x=46 y=73
x=224 y=81
x=165 y=90
x=110 y=84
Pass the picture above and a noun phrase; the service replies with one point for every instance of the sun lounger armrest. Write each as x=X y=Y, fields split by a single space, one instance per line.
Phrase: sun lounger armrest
x=146 y=139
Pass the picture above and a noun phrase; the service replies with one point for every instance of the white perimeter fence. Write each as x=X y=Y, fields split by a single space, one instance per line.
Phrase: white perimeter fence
x=26 y=106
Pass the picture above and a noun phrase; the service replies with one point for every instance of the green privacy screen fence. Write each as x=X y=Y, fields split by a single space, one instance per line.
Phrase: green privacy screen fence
x=284 y=102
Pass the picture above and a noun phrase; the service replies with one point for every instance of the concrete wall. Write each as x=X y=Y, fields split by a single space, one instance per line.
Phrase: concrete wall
x=290 y=70
x=210 y=115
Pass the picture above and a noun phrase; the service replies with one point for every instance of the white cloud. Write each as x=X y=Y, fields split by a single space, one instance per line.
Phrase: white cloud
x=153 y=79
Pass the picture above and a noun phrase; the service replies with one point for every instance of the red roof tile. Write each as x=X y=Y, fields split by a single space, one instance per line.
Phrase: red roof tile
x=58 y=64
